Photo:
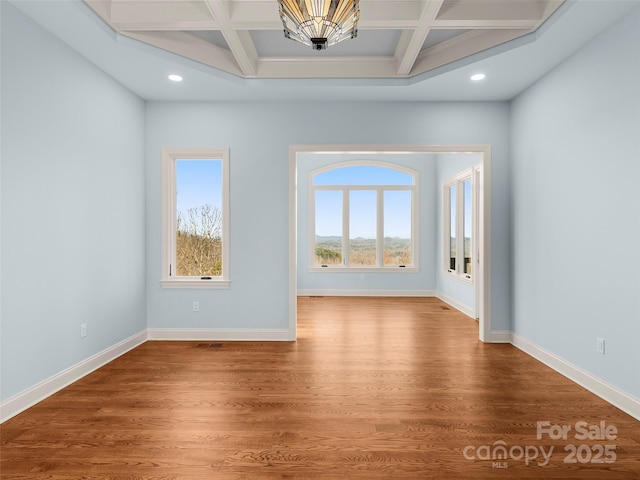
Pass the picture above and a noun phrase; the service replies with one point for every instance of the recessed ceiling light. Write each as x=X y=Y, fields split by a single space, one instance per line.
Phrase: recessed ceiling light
x=478 y=76
x=175 y=78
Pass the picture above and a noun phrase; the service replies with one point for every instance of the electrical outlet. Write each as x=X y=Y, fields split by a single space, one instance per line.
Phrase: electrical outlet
x=196 y=306
x=600 y=345
x=83 y=330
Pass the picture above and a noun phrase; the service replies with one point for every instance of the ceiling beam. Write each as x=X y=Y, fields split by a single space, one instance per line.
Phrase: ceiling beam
x=125 y=14
x=489 y=24
x=167 y=23
x=239 y=41
x=191 y=47
x=462 y=46
x=411 y=42
x=261 y=15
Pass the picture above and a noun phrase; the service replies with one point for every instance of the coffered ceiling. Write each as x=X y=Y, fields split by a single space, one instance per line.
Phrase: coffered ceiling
x=367 y=68
x=396 y=38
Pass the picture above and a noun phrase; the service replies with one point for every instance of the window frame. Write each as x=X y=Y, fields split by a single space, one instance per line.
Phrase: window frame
x=458 y=182
x=380 y=189
x=170 y=155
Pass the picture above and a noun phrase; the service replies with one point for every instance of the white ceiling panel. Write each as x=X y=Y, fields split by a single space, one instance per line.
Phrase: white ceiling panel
x=369 y=43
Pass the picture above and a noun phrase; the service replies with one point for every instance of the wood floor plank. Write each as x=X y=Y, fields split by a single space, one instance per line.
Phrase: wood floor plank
x=374 y=388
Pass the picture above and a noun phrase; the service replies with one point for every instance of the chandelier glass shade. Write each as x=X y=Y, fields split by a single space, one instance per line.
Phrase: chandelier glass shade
x=320 y=23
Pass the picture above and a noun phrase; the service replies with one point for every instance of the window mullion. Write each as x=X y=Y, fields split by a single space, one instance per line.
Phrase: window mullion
x=345 y=227
x=173 y=223
x=380 y=227
x=446 y=227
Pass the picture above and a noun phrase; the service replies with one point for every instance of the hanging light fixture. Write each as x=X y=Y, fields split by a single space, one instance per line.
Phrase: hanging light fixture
x=320 y=23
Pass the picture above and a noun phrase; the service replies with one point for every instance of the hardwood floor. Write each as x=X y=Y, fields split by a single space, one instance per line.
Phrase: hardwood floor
x=374 y=388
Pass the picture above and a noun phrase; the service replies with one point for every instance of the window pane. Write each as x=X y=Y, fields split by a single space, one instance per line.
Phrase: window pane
x=363 y=175
x=362 y=227
x=468 y=212
x=199 y=218
x=328 y=242
x=397 y=227
x=452 y=225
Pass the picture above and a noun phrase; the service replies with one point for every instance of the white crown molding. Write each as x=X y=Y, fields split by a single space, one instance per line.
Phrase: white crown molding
x=189 y=46
x=462 y=46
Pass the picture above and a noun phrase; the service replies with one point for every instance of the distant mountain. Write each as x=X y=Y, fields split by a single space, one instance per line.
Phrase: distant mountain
x=327 y=239
x=330 y=238
x=390 y=242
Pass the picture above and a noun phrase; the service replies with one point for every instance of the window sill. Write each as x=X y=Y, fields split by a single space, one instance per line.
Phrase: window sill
x=339 y=269
x=459 y=277
x=194 y=283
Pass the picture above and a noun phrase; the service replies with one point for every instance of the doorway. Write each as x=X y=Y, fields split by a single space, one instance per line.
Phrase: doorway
x=298 y=154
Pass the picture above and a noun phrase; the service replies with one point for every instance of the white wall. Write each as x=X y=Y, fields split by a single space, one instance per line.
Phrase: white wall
x=72 y=207
x=576 y=208
x=449 y=287
x=259 y=136
x=387 y=282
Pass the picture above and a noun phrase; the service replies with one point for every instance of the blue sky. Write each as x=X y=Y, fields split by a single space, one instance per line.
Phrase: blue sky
x=362 y=213
x=362 y=203
x=362 y=175
x=198 y=182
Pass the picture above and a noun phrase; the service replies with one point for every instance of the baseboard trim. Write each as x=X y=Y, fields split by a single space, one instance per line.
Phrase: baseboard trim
x=499 y=336
x=364 y=293
x=26 y=399
x=618 y=398
x=468 y=311
x=23 y=400
x=211 y=334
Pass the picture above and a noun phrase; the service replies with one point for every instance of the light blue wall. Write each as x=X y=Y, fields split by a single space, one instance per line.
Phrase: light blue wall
x=259 y=136
x=424 y=279
x=576 y=208
x=448 y=166
x=72 y=207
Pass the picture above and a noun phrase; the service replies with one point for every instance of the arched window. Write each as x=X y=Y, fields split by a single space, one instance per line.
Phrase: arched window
x=364 y=215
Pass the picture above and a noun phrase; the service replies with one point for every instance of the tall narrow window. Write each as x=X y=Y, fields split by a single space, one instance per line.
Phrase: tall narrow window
x=195 y=218
x=328 y=237
x=467 y=227
x=365 y=216
x=458 y=214
x=452 y=228
x=397 y=227
x=198 y=218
